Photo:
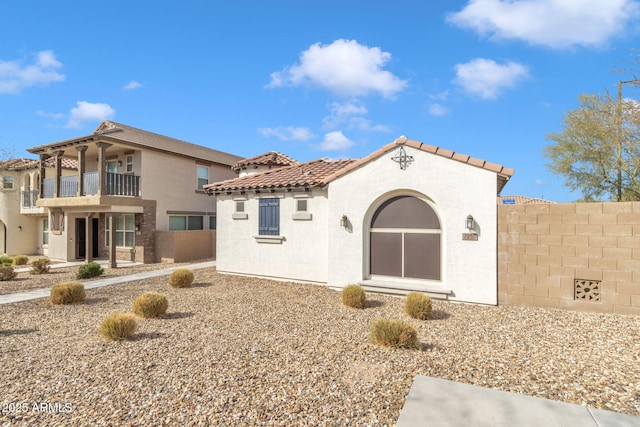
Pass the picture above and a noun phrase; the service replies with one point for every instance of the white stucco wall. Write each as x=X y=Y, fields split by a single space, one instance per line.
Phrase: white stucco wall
x=454 y=190
x=302 y=253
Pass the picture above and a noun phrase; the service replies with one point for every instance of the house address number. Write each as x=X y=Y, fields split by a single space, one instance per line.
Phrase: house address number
x=469 y=236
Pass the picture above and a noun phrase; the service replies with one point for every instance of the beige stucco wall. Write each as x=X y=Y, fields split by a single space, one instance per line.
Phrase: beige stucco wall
x=453 y=189
x=183 y=246
x=302 y=253
x=542 y=249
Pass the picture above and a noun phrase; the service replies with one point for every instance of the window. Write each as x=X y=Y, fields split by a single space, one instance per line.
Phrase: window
x=7 y=182
x=239 y=206
x=239 y=213
x=186 y=222
x=302 y=210
x=212 y=222
x=301 y=205
x=203 y=176
x=45 y=231
x=129 y=163
x=269 y=217
x=56 y=222
x=112 y=166
x=125 y=231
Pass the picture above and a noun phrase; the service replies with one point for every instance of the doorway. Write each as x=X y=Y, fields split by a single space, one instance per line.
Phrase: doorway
x=81 y=238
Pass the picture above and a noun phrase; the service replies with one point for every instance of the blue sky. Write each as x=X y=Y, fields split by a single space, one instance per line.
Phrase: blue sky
x=487 y=78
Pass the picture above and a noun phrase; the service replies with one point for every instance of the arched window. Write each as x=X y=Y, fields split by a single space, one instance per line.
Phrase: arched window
x=405 y=240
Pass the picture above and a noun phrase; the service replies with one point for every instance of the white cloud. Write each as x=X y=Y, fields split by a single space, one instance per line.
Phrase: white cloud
x=54 y=116
x=539 y=182
x=15 y=75
x=350 y=114
x=89 y=112
x=289 y=133
x=486 y=78
x=552 y=23
x=438 y=110
x=344 y=67
x=360 y=123
x=335 y=141
x=440 y=96
x=132 y=85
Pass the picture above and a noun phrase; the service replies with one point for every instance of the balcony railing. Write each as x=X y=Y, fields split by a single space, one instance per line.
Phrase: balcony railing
x=29 y=198
x=116 y=185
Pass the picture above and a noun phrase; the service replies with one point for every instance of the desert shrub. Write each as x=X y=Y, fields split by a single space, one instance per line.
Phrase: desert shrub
x=181 y=278
x=4 y=259
x=6 y=272
x=393 y=333
x=150 y=304
x=40 y=266
x=118 y=326
x=418 y=305
x=67 y=293
x=353 y=296
x=20 y=260
x=91 y=269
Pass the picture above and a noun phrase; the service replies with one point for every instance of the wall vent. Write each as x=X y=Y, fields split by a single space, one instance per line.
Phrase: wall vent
x=587 y=290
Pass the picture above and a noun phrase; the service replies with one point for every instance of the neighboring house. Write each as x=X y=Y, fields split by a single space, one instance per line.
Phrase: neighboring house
x=521 y=200
x=409 y=216
x=24 y=227
x=129 y=185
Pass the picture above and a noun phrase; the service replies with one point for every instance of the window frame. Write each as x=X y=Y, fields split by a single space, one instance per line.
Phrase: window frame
x=186 y=222
x=129 y=163
x=45 y=232
x=200 y=168
x=269 y=216
x=8 y=182
x=124 y=231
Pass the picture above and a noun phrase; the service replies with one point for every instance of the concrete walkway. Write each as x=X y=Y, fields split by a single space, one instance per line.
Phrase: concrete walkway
x=442 y=403
x=44 y=293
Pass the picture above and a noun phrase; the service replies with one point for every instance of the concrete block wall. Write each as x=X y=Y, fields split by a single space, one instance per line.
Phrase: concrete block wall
x=544 y=248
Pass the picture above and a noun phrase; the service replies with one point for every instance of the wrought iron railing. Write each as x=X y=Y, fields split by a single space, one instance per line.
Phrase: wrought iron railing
x=29 y=198
x=116 y=185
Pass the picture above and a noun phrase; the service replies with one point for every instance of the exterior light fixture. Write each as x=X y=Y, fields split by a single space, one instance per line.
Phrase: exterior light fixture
x=470 y=223
x=19 y=228
x=344 y=221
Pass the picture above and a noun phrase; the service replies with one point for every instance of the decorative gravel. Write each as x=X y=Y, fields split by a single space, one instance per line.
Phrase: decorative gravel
x=245 y=351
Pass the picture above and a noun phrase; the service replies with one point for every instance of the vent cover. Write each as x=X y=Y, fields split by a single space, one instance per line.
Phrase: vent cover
x=587 y=290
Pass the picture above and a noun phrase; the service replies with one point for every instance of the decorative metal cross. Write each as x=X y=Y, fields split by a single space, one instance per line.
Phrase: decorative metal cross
x=402 y=158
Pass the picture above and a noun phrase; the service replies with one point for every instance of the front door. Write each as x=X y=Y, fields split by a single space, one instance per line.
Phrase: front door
x=81 y=238
x=405 y=240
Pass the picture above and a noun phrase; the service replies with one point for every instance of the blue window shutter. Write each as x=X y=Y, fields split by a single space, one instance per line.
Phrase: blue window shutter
x=269 y=217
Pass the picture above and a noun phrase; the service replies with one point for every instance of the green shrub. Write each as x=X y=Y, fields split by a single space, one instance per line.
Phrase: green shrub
x=118 y=326
x=6 y=272
x=4 y=259
x=418 y=305
x=353 y=296
x=20 y=260
x=181 y=278
x=393 y=333
x=89 y=270
x=40 y=266
x=67 y=293
x=150 y=304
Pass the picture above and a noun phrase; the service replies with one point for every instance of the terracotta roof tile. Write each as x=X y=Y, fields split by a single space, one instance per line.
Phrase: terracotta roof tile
x=23 y=164
x=308 y=174
x=271 y=158
x=521 y=200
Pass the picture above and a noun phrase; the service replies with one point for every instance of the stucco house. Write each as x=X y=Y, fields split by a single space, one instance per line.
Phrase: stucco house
x=409 y=216
x=24 y=226
x=130 y=185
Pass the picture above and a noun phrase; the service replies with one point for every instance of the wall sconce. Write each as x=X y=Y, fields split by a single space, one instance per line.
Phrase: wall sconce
x=137 y=228
x=19 y=228
x=344 y=221
x=470 y=223
x=119 y=162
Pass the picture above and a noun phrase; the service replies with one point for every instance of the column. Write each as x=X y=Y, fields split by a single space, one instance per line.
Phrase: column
x=112 y=240
x=102 y=167
x=81 y=168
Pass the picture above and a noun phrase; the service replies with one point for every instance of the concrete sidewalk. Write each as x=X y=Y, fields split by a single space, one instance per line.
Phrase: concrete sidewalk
x=44 y=293
x=442 y=403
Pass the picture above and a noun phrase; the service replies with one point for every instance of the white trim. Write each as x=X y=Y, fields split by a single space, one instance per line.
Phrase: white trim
x=302 y=216
x=407 y=230
x=239 y=215
x=269 y=239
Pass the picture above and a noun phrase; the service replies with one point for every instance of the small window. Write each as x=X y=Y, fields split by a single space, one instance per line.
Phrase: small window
x=129 y=163
x=7 y=182
x=301 y=205
x=269 y=217
x=56 y=221
x=213 y=223
x=239 y=206
x=45 y=231
x=185 y=222
x=203 y=176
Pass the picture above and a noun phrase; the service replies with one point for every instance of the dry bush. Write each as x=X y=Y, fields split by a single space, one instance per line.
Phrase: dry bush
x=181 y=278
x=6 y=272
x=40 y=266
x=21 y=260
x=353 y=296
x=118 y=326
x=393 y=333
x=67 y=293
x=418 y=305
x=150 y=304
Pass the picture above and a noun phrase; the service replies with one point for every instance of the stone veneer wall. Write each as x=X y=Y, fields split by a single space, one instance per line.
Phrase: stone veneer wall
x=579 y=256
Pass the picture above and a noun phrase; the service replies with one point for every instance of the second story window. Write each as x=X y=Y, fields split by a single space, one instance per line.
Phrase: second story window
x=203 y=176
x=112 y=166
x=129 y=163
x=7 y=182
x=269 y=217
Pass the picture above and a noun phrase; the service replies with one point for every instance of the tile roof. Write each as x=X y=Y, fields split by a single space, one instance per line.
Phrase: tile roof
x=128 y=135
x=308 y=174
x=23 y=164
x=522 y=200
x=271 y=158
x=325 y=171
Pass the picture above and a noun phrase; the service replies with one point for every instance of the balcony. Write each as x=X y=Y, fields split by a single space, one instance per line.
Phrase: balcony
x=28 y=205
x=116 y=185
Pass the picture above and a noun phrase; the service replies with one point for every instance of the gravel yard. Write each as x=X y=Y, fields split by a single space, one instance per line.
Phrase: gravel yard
x=246 y=351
